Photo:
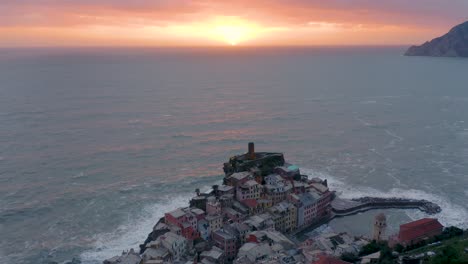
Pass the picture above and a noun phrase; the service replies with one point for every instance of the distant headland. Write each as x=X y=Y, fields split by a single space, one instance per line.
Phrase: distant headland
x=452 y=44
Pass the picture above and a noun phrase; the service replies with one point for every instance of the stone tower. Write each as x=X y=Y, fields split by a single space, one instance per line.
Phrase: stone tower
x=251 y=152
x=380 y=224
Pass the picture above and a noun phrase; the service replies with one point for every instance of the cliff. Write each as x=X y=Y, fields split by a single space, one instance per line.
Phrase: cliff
x=452 y=44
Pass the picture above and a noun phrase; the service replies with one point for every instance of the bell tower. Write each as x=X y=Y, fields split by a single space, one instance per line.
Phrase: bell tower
x=380 y=224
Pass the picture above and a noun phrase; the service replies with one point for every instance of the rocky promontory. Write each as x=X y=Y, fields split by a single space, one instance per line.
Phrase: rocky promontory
x=264 y=213
x=452 y=44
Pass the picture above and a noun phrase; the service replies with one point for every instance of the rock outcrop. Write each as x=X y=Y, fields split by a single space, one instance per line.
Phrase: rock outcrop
x=452 y=44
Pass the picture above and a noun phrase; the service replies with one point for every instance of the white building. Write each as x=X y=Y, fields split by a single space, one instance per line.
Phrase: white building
x=177 y=245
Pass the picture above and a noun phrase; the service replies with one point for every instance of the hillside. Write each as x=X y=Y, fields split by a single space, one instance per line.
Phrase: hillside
x=452 y=44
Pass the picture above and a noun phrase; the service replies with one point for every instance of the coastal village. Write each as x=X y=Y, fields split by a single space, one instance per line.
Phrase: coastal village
x=265 y=212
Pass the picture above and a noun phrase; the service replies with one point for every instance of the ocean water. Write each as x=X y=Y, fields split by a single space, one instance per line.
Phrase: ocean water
x=96 y=144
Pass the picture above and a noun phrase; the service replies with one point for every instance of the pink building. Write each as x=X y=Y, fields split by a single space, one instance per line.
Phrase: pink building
x=187 y=220
x=226 y=242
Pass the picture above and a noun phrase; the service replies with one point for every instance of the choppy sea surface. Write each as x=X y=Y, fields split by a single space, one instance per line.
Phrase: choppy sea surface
x=96 y=144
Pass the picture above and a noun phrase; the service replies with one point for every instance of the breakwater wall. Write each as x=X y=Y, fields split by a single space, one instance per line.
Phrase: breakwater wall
x=343 y=207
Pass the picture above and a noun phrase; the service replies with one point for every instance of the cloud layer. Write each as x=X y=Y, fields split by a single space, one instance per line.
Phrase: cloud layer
x=63 y=21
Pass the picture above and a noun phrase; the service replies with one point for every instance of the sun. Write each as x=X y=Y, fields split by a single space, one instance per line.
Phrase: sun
x=229 y=30
x=233 y=30
x=232 y=34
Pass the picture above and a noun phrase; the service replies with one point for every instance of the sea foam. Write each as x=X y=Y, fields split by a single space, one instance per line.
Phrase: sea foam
x=451 y=215
x=132 y=233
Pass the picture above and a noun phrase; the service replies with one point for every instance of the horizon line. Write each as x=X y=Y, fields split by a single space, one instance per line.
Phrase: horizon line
x=236 y=47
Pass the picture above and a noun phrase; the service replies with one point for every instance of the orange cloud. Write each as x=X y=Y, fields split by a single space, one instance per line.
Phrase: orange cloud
x=205 y=22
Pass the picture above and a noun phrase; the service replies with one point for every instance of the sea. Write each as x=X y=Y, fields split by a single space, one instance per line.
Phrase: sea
x=97 y=143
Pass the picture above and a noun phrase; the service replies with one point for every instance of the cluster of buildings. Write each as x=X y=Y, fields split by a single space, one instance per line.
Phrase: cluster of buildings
x=246 y=219
x=251 y=218
x=332 y=244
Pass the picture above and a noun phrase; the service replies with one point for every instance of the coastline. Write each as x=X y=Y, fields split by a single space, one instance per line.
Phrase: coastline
x=261 y=165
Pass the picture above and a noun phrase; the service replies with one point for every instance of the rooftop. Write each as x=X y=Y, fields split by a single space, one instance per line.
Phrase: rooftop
x=250 y=183
x=308 y=198
x=224 y=234
x=418 y=228
x=231 y=211
x=126 y=258
x=419 y=223
x=319 y=187
x=325 y=259
x=274 y=236
x=254 y=251
x=197 y=211
x=153 y=253
x=172 y=238
x=240 y=175
x=224 y=188
x=287 y=168
x=214 y=253
x=177 y=213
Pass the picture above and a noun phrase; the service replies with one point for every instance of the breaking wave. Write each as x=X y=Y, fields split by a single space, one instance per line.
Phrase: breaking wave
x=451 y=215
x=132 y=233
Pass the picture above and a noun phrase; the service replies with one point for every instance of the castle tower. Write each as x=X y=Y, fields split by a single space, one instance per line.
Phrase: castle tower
x=380 y=224
x=251 y=153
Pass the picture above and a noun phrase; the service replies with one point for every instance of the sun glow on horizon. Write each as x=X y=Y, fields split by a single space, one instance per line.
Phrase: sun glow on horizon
x=233 y=30
x=212 y=31
x=232 y=35
x=228 y=30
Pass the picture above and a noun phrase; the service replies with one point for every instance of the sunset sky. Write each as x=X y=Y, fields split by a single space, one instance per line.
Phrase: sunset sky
x=235 y=22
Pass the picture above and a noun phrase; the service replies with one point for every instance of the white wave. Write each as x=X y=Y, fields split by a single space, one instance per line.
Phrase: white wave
x=81 y=174
x=363 y=122
x=368 y=102
x=451 y=215
x=132 y=233
x=390 y=133
x=135 y=231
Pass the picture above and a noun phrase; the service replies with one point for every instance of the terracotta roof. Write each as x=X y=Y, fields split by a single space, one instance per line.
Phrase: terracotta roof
x=418 y=222
x=325 y=259
x=418 y=228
